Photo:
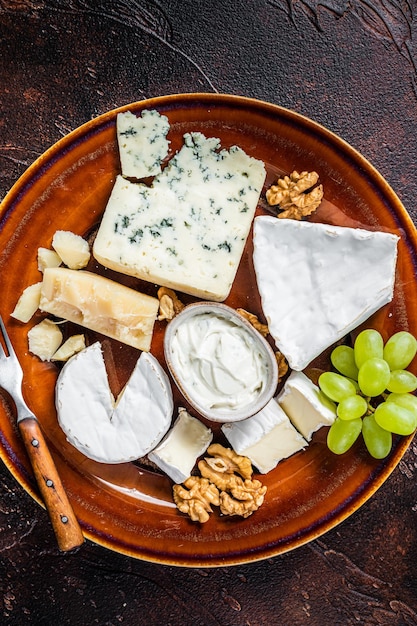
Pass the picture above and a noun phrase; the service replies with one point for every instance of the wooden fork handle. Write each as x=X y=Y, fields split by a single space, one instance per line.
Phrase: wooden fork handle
x=64 y=522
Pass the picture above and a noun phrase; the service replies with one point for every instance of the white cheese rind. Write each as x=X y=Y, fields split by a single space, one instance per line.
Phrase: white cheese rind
x=189 y=229
x=142 y=143
x=108 y=431
x=266 y=438
x=318 y=282
x=100 y=304
x=306 y=406
x=178 y=452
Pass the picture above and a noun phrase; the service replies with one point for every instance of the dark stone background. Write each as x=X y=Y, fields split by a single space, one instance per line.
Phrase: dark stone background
x=348 y=64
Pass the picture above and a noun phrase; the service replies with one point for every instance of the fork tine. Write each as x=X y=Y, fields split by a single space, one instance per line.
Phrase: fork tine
x=6 y=339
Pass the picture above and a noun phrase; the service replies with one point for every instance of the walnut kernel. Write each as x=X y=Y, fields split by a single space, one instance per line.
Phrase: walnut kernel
x=296 y=195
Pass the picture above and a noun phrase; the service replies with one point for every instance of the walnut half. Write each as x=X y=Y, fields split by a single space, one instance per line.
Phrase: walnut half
x=195 y=498
x=296 y=195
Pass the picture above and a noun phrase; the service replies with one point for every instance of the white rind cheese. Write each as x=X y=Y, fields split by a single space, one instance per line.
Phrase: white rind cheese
x=306 y=406
x=318 y=282
x=266 y=438
x=108 y=431
x=142 y=143
x=100 y=304
x=189 y=229
x=178 y=452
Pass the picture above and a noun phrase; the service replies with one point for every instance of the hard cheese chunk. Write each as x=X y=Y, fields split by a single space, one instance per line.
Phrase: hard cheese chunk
x=142 y=143
x=177 y=453
x=189 y=229
x=266 y=438
x=100 y=304
x=318 y=282
x=305 y=405
x=105 y=430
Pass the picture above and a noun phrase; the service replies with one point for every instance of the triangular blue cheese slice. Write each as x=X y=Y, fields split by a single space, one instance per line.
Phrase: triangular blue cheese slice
x=318 y=282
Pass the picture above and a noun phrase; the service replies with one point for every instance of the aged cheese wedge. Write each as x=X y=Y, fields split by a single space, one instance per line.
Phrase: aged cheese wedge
x=318 y=282
x=108 y=431
x=100 y=304
x=44 y=339
x=142 y=143
x=189 y=229
x=28 y=303
x=266 y=438
x=306 y=406
x=177 y=453
x=71 y=248
x=48 y=258
x=71 y=346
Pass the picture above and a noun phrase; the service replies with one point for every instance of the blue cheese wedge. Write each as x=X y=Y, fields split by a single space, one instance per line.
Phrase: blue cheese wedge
x=178 y=452
x=266 y=438
x=189 y=229
x=106 y=430
x=306 y=406
x=142 y=143
x=100 y=304
x=318 y=282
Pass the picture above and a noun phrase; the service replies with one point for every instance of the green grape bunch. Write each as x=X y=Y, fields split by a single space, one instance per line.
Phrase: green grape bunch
x=373 y=391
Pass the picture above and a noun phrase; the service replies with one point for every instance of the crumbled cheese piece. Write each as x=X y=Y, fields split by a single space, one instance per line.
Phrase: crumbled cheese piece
x=71 y=248
x=100 y=304
x=189 y=229
x=142 y=143
x=71 y=346
x=266 y=438
x=318 y=282
x=28 y=303
x=106 y=430
x=305 y=404
x=177 y=453
x=44 y=339
x=48 y=258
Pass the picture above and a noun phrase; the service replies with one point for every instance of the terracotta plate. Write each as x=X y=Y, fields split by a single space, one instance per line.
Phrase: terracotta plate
x=128 y=507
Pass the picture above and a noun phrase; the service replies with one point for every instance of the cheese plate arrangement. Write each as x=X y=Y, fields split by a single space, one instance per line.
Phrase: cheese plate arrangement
x=167 y=302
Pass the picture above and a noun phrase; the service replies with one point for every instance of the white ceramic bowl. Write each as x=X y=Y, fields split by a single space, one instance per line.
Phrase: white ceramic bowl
x=251 y=396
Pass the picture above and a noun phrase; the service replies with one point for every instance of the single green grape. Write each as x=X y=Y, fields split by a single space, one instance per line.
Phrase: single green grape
x=368 y=345
x=395 y=418
x=400 y=350
x=343 y=359
x=335 y=386
x=377 y=440
x=406 y=400
x=374 y=376
x=402 y=381
x=352 y=407
x=342 y=434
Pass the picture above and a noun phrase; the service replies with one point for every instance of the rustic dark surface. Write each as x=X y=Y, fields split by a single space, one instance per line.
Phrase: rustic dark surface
x=348 y=64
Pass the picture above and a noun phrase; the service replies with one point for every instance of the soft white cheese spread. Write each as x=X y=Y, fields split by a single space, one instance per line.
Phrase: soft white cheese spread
x=222 y=365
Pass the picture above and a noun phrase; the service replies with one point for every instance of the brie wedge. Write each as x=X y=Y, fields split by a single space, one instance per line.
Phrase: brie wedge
x=178 y=452
x=266 y=438
x=106 y=430
x=305 y=404
x=318 y=282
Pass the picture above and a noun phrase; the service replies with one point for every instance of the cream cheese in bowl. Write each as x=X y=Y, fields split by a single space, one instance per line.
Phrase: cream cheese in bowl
x=220 y=363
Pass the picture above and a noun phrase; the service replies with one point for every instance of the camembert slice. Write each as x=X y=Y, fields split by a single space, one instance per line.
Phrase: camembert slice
x=265 y=438
x=189 y=229
x=106 y=430
x=318 y=282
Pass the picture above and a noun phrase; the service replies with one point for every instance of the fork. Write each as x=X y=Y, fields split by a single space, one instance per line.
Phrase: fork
x=67 y=530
